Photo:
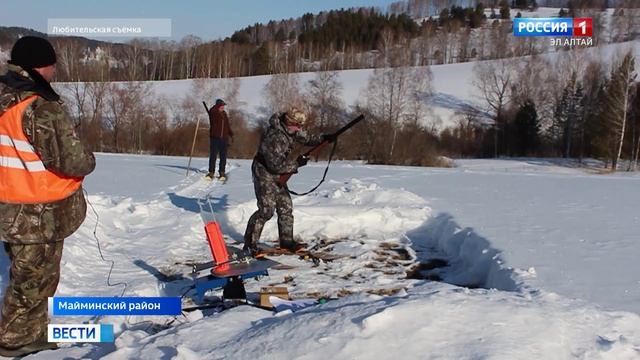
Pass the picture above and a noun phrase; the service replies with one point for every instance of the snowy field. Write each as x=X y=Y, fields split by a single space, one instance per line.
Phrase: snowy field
x=536 y=260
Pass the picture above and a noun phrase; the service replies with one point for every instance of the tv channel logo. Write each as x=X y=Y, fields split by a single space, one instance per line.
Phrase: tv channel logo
x=80 y=333
x=581 y=27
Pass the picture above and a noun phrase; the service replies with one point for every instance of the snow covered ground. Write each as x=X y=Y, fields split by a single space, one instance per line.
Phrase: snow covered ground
x=537 y=260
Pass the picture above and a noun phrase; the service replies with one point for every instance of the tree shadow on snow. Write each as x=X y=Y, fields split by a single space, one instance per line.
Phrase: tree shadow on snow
x=458 y=105
x=168 y=352
x=447 y=252
x=174 y=282
x=157 y=273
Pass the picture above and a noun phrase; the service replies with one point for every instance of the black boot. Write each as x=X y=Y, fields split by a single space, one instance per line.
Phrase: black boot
x=250 y=250
x=292 y=246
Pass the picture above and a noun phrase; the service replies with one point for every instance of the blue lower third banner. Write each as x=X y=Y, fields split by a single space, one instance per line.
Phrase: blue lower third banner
x=80 y=333
x=63 y=306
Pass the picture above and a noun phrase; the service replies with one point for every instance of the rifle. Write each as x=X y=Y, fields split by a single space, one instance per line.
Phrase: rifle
x=282 y=181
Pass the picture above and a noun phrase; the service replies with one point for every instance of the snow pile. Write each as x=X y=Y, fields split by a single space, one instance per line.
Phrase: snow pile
x=435 y=321
x=352 y=209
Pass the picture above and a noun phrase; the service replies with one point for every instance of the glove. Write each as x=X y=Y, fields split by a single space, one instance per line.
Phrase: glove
x=330 y=138
x=302 y=160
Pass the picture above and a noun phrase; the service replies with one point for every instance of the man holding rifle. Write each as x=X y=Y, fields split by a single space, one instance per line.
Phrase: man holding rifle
x=270 y=162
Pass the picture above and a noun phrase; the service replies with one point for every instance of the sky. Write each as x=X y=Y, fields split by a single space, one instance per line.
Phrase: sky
x=209 y=20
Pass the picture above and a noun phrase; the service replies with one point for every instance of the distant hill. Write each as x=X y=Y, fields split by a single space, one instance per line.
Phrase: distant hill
x=9 y=35
x=406 y=33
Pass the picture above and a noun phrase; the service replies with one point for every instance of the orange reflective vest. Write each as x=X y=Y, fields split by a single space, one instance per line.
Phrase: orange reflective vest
x=23 y=176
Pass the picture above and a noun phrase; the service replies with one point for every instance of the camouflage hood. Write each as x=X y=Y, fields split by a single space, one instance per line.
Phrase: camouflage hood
x=276 y=145
x=276 y=122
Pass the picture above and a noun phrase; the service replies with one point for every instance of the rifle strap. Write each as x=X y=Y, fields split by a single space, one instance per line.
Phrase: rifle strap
x=324 y=176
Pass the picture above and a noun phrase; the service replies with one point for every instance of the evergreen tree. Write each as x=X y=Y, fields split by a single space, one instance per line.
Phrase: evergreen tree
x=573 y=119
x=568 y=116
x=527 y=129
x=444 y=17
x=261 y=61
x=477 y=17
x=505 y=11
x=596 y=129
x=522 y=4
x=280 y=35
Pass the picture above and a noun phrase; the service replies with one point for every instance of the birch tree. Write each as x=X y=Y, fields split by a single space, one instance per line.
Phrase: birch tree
x=324 y=94
x=617 y=102
x=392 y=97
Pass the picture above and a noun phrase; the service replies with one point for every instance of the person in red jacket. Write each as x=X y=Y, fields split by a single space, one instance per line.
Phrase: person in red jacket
x=220 y=135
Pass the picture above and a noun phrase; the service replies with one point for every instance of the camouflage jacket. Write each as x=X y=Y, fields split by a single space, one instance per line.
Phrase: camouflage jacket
x=276 y=145
x=52 y=135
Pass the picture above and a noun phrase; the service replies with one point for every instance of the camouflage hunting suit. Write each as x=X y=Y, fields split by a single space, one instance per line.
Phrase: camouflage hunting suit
x=272 y=160
x=33 y=233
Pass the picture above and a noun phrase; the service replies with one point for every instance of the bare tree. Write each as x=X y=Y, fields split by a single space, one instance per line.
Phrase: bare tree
x=392 y=96
x=133 y=55
x=624 y=23
x=124 y=108
x=4 y=57
x=189 y=45
x=324 y=94
x=97 y=92
x=500 y=40
x=441 y=54
x=386 y=45
x=281 y=92
x=494 y=79
x=532 y=78
x=229 y=90
x=69 y=52
x=104 y=61
x=78 y=100
x=162 y=138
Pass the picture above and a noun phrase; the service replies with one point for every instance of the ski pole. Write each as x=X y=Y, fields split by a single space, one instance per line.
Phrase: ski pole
x=195 y=135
